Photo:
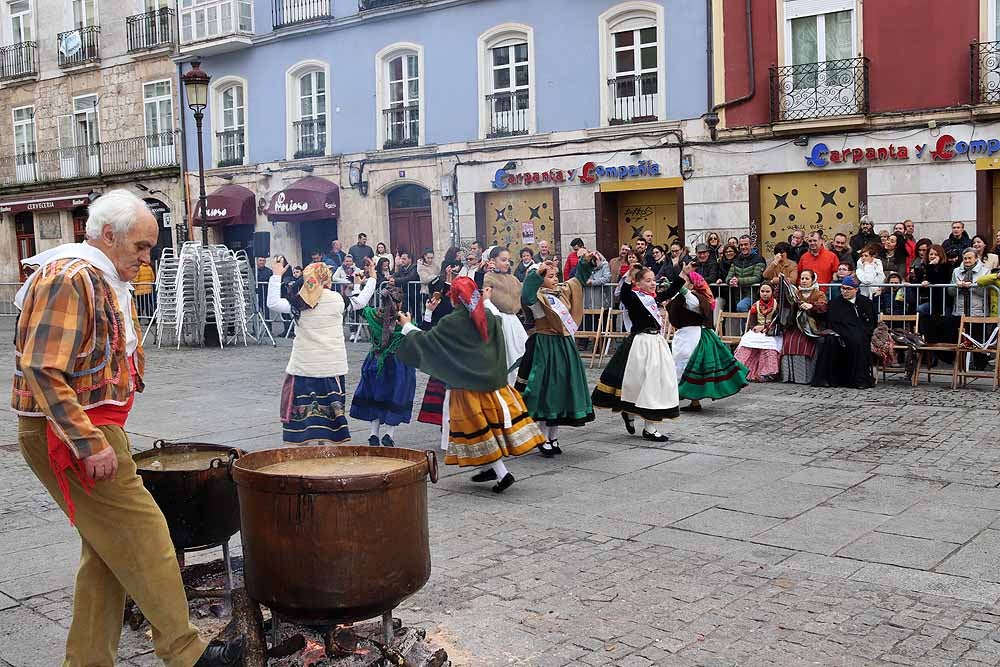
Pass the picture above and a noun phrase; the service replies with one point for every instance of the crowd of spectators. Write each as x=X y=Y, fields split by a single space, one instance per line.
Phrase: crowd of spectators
x=933 y=280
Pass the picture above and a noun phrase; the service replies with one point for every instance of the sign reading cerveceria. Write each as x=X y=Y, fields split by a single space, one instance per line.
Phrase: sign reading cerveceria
x=945 y=149
x=591 y=172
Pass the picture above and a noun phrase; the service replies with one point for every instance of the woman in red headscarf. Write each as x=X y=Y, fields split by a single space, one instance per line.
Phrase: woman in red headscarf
x=705 y=365
x=484 y=419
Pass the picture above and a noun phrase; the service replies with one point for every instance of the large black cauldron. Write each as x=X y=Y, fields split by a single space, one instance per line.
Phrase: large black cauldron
x=201 y=507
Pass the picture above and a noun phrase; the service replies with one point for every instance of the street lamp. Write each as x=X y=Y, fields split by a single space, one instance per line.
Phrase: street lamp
x=195 y=82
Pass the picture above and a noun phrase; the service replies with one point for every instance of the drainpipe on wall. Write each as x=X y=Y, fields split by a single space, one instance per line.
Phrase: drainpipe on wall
x=184 y=183
x=712 y=117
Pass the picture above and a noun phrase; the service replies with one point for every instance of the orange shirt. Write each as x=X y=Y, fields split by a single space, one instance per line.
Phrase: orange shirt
x=824 y=265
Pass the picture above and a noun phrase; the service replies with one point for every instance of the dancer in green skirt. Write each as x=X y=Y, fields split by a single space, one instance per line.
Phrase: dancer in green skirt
x=551 y=376
x=706 y=368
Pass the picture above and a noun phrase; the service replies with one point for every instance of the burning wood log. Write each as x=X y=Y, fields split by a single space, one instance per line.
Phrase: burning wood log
x=250 y=623
x=293 y=644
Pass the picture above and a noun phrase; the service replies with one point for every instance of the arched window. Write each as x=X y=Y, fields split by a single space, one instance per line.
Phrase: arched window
x=507 y=81
x=308 y=106
x=399 y=94
x=631 y=38
x=229 y=121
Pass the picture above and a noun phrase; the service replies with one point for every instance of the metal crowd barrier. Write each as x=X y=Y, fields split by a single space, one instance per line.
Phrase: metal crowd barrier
x=145 y=302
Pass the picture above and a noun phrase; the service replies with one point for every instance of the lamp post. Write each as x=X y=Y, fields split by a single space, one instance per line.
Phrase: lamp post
x=195 y=82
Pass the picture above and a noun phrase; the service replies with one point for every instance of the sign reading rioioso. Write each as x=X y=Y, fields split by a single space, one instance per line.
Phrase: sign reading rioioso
x=591 y=172
x=946 y=148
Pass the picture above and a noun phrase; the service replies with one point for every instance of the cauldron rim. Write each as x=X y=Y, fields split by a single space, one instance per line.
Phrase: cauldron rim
x=245 y=469
x=161 y=446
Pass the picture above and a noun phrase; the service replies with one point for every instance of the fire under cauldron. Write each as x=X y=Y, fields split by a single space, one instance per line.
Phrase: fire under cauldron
x=320 y=551
x=201 y=506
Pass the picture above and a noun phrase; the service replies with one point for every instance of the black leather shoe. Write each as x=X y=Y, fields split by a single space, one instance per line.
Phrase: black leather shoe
x=373 y=441
x=655 y=437
x=555 y=447
x=487 y=475
x=387 y=441
x=629 y=423
x=503 y=484
x=222 y=654
x=546 y=450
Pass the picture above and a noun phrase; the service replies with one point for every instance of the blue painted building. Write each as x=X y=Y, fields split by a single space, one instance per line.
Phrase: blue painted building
x=408 y=109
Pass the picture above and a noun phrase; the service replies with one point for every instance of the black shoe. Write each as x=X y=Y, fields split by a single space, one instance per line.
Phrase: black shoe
x=545 y=449
x=221 y=654
x=555 y=446
x=655 y=437
x=503 y=484
x=629 y=423
x=487 y=475
x=693 y=407
x=387 y=441
x=373 y=441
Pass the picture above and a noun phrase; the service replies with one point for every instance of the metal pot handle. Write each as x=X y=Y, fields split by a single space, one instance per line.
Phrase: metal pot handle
x=432 y=465
x=233 y=455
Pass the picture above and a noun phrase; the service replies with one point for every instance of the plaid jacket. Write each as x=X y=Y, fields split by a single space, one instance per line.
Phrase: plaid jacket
x=70 y=352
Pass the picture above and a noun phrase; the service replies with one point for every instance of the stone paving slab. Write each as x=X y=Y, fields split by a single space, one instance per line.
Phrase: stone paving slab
x=935 y=521
x=915 y=552
x=979 y=558
x=822 y=530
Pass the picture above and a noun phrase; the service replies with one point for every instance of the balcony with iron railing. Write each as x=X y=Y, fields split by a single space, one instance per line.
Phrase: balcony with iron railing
x=286 y=13
x=79 y=47
x=985 y=72
x=120 y=156
x=364 y=5
x=508 y=113
x=18 y=61
x=310 y=137
x=402 y=126
x=819 y=90
x=634 y=98
x=150 y=30
x=231 y=147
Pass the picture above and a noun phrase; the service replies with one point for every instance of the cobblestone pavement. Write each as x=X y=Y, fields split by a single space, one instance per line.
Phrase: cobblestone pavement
x=784 y=526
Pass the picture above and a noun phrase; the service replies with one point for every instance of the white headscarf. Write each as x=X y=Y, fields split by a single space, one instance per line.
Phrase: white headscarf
x=93 y=256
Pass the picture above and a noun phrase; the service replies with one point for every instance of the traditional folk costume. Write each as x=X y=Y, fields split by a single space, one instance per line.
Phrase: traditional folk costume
x=384 y=396
x=505 y=304
x=551 y=375
x=432 y=405
x=485 y=418
x=798 y=343
x=705 y=366
x=312 y=398
x=641 y=378
x=760 y=352
x=78 y=365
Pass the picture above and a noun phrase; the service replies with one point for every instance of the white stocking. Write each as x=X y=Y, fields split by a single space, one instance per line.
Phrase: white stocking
x=391 y=432
x=500 y=469
x=375 y=424
x=553 y=432
x=649 y=427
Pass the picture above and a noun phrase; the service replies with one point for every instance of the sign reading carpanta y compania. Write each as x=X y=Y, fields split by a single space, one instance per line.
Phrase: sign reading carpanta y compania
x=589 y=173
x=946 y=148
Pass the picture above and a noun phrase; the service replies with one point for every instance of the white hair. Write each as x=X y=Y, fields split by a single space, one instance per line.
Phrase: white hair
x=118 y=208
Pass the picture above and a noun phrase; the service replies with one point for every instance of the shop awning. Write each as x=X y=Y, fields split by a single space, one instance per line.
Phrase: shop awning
x=229 y=205
x=307 y=199
x=42 y=203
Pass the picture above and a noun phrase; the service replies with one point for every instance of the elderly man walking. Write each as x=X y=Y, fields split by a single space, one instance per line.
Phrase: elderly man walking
x=79 y=364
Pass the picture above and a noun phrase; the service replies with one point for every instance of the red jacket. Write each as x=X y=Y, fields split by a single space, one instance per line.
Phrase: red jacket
x=570 y=266
x=824 y=265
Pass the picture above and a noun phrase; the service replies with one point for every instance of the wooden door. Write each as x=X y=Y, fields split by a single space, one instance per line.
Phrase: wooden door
x=809 y=200
x=24 y=230
x=410 y=229
x=649 y=210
